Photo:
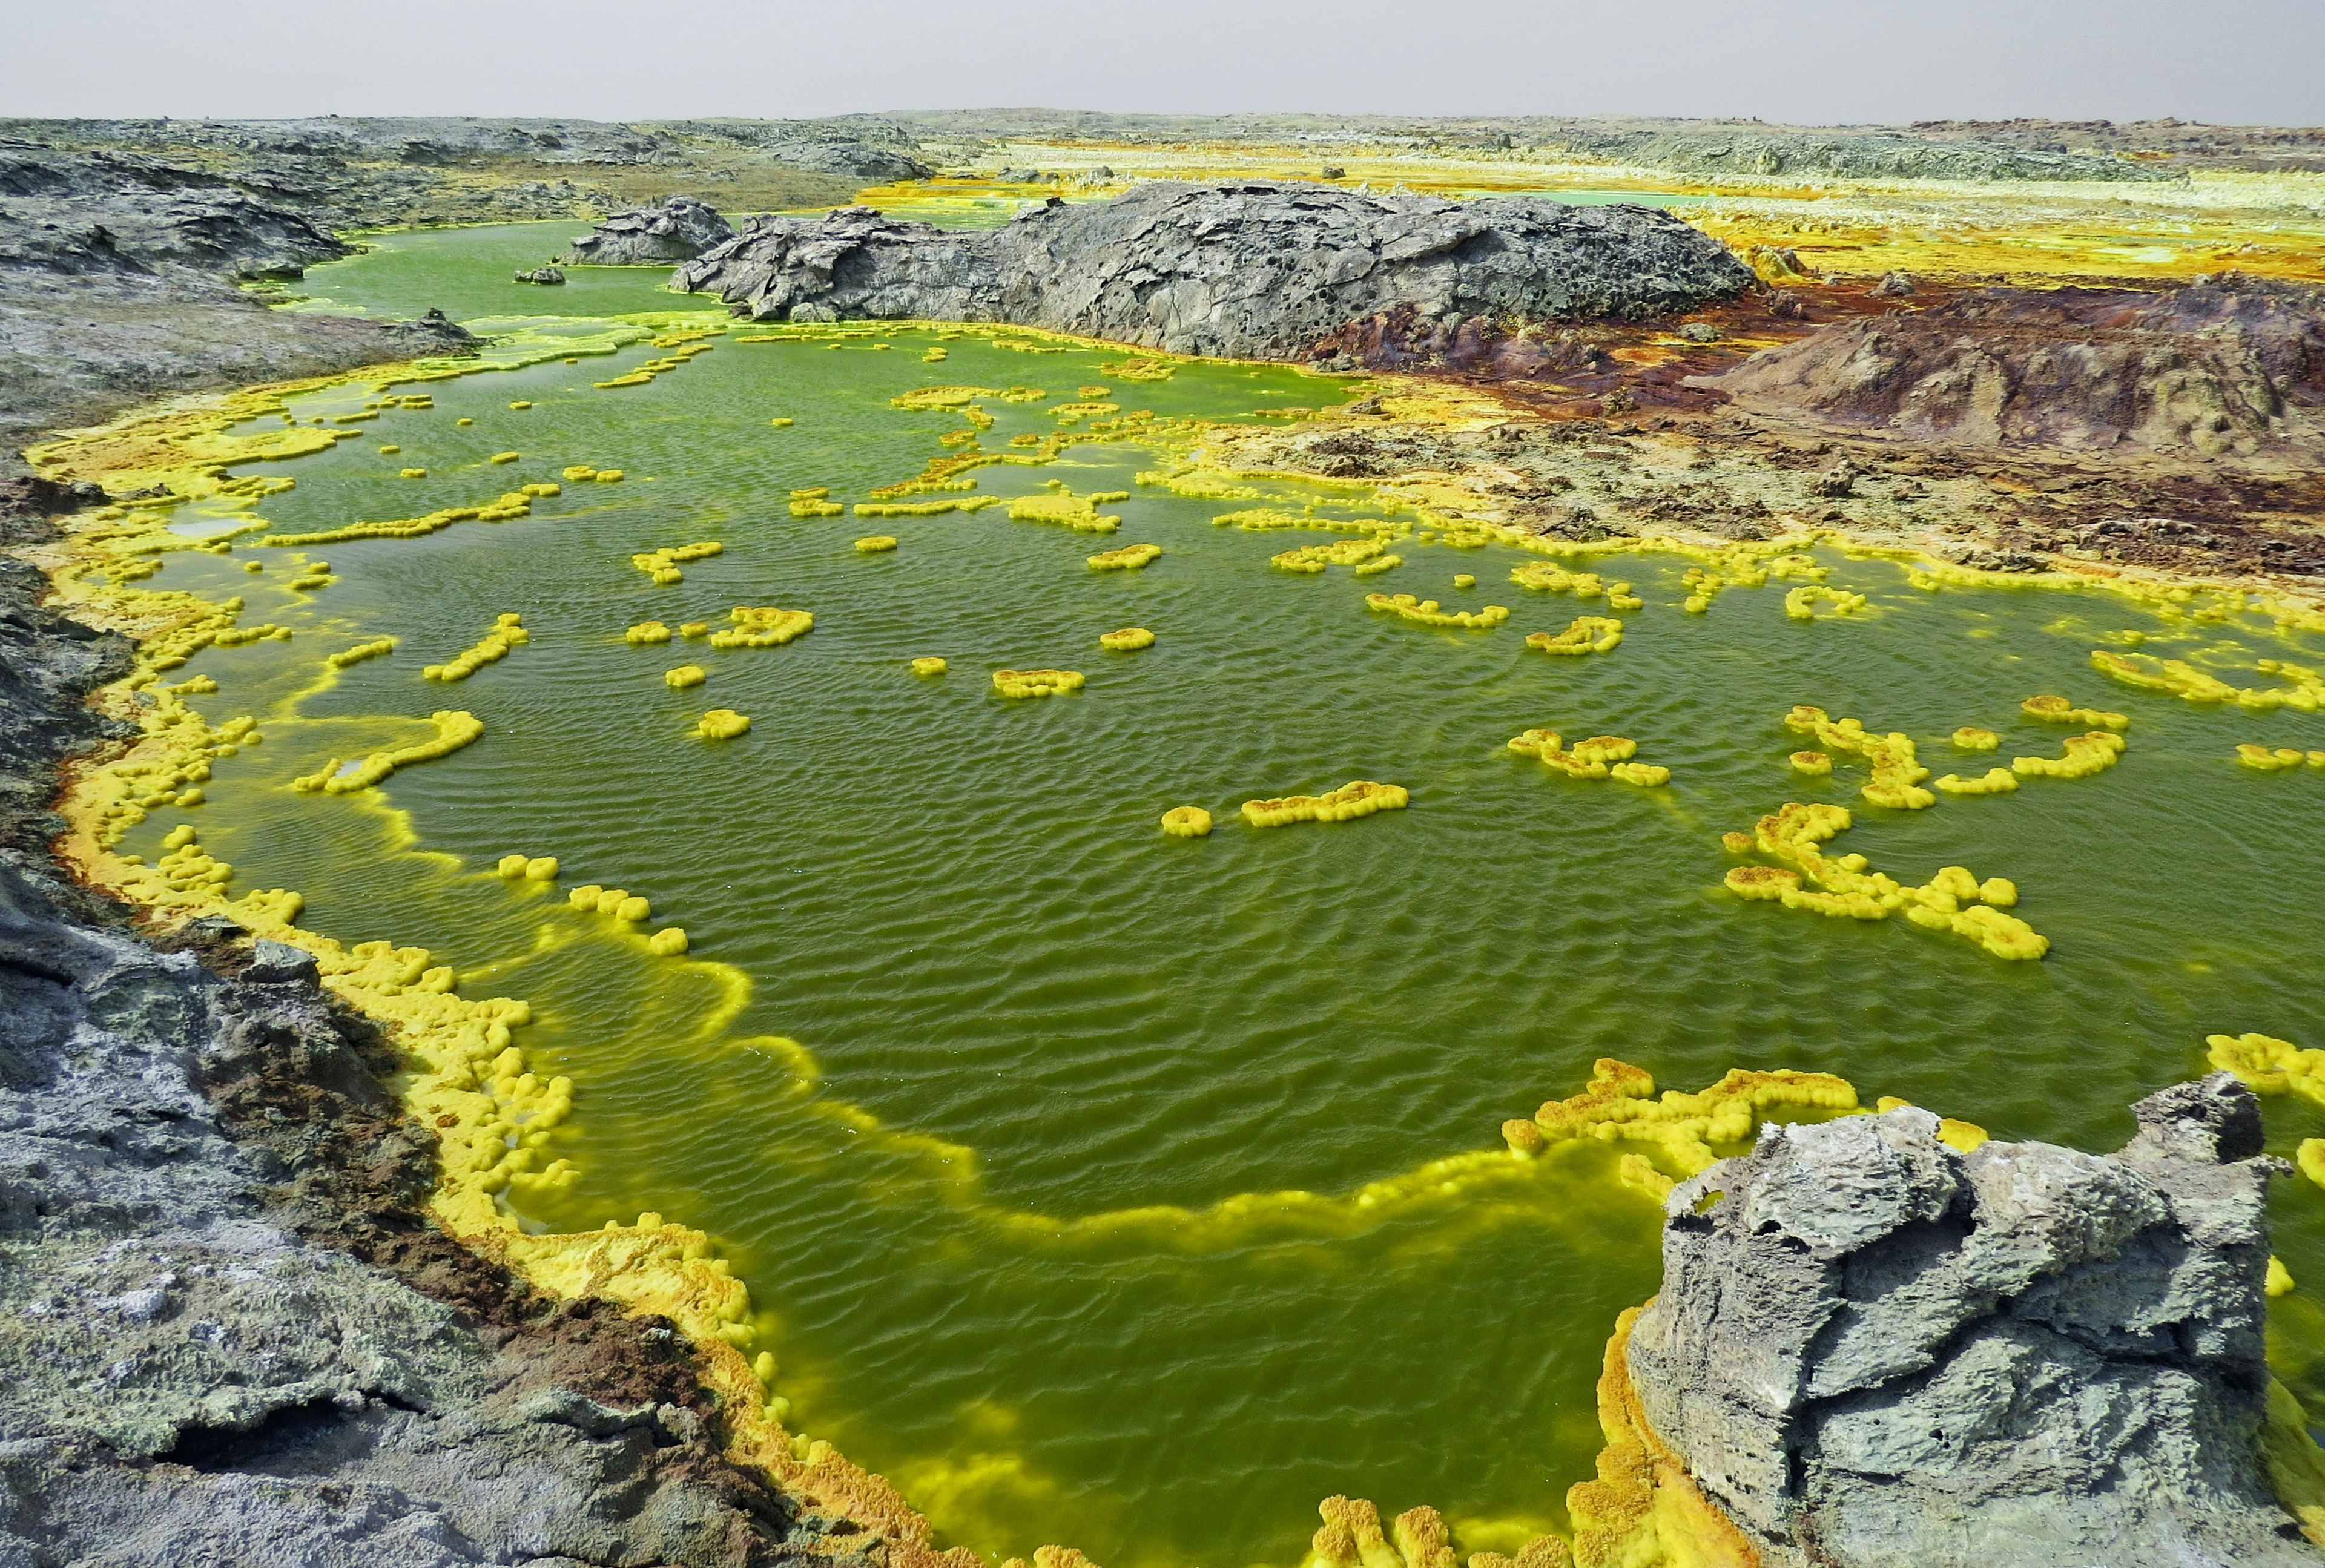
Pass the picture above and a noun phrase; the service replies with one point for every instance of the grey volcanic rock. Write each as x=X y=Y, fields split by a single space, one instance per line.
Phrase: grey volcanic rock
x=679 y=229
x=1844 y=154
x=1253 y=269
x=1872 y=1350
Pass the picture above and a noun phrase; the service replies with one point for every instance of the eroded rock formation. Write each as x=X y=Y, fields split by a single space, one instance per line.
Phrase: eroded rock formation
x=1870 y=1348
x=681 y=228
x=1255 y=269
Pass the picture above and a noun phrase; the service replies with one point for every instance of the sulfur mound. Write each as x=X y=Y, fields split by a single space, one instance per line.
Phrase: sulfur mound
x=1871 y=1348
x=1247 y=268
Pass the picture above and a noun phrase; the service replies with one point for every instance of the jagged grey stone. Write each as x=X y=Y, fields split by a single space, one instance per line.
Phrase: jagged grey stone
x=1873 y=1350
x=1255 y=269
x=679 y=229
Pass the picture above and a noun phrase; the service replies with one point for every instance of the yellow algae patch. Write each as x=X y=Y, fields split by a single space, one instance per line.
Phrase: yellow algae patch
x=1621 y=1105
x=1357 y=798
x=1198 y=483
x=520 y=405
x=2305 y=693
x=376 y=648
x=1600 y=756
x=667 y=943
x=815 y=502
x=1264 y=519
x=765 y=627
x=721 y=724
x=505 y=456
x=1129 y=558
x=921 y=508
x=1036 y=682
x=1583 y=634
x=928 y=667
x=1425 y=611
x=1970 y=738
x=780 y=422
x=389 y=450
x=875 y=543
x=1072 y=410
x=508 y=632
x=1315 y=558
x=2262 y=759
x=1064 y=509
x=2059 y=710
x=1811 y=762
x=411 y=473
x=1129 y=639
x=1187 y=822
x=1549 y=577
x=2083 y=756
x=1140 y=367
x=1841 y=887
x=1896 y=766
x=515 y=504
x=527 y=867
x=646 y=632
x=928 y=398
x=684 y=676
x=454 y=730
x=662 y=565
x=1800 y=603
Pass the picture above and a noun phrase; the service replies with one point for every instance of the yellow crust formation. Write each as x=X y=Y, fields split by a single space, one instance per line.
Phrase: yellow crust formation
x=2082 y=756
x=454 y=730
x=2262 y=759
x=2059 y=710
x=2306 y=692
x=1621 y=1105
x=1128 y=640
x=508 y=632
x=1600 y=756
x=1129 y=558
x=527 y=867
x=1424 y=612
x=930 y=665
x=1315 y=558
x=684 y=676
x=1994 y=781
x=513 y=505
x=1036 y=682
x=1351 y=1538
x=1814 y=763
x=1841 y=887
x=379 y=647
x=1970 y=738
x=1187 y=822
x=1896 y=768
x=1264 y=519
x=1357 y=798
x=1800 y=603
x=721 y=724
x=1549 y=577
x=1065 y=510
x=875 y=543
x=662 y=565
x=765 y=626
x=1583 y=634
x=646 y=632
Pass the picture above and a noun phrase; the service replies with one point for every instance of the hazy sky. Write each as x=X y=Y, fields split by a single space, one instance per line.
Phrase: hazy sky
x=2251 y=61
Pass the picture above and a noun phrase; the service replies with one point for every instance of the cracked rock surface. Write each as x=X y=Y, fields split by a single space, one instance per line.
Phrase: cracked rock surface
x=1254 y=269
x=1871 y=1349
x=679 y=229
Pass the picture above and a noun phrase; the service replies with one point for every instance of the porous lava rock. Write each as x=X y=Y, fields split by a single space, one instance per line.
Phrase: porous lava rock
x=1871 y=1349
x=681 y=228
x=2228 y=364
x=1253 y=269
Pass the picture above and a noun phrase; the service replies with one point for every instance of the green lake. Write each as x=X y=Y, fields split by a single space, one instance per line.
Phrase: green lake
x=1005 y=1203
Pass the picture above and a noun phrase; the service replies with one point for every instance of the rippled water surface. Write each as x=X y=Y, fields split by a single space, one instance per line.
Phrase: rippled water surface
x=1013 y=1203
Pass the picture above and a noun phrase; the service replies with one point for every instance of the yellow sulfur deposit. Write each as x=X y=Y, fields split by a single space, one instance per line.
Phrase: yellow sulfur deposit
x=1424 y=612
x=1841 y=887
x=684 y=676
x=2306 y=693
x=513 y=505
x=765 y=627
x=1036 y=682
x=1994 y=781
x=810 y=506
x=1129 y=639
x=1600 y=756
x=668 y=943
x=505 y=456
x=2083 y=756
x=1066 y=510
x=1464 y=580
x=1621 y=1106
x=780 y=422
x=389 y=450
x=646 y=632
x=2272 y=1066
x=875 y=543
x=1315 y=558
x=1187 y=822
x=1129 y=558
x=928 y=667
x=411 y=473
x=1800 y=603
x=508 y=632
x=1897 y=770
x=2059 y=710
x=1969 y=738
x=1261 y=519
x=1583 y=634
x=1357 y=798
x=2262 y=759
x=527 y=869
x=662 y=565
x=1549 y=577
x=1811 y=762
x=722 y=724
x=454 y=730
x=375 y=648
x=520 y=405
x=693 y=630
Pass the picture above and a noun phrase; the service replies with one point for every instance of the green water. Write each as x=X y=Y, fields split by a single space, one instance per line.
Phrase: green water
x=1049 y=1040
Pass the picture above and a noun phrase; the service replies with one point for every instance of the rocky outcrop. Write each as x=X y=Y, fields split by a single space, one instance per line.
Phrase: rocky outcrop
x=1766 y=151
x=679 y=229
x=1871 y=1349
x=2227 y=365
x=1256 y=269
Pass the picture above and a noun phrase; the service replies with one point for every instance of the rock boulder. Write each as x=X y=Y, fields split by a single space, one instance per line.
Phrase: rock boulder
x=1253 y=269
x=679 y=229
